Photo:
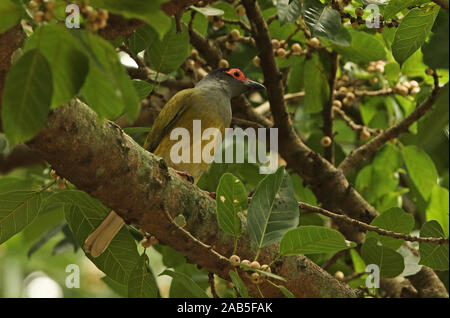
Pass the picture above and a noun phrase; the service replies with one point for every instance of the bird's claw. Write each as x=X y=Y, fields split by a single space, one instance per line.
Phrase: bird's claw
x=186 y=175
x=212 y=195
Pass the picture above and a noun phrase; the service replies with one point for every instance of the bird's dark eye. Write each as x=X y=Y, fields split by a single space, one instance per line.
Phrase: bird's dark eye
x=236 y=74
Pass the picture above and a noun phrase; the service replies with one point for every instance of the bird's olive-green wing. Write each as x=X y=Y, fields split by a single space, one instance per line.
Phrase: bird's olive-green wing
x=168 y=116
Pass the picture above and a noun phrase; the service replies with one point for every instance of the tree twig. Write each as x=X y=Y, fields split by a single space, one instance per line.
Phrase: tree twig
x=367 y=150
x=354 y=126
x=368 y=227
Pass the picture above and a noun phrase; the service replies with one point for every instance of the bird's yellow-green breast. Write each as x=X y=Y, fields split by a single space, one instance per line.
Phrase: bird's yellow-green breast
x=211 y=109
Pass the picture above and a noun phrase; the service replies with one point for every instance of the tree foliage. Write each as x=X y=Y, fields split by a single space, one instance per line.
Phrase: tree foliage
x=370 y=99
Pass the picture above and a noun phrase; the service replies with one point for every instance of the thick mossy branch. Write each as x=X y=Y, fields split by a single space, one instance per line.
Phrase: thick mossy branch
x=99 y=158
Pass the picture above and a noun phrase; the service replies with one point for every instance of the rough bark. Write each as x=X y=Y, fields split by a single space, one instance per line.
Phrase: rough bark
x=100 y=159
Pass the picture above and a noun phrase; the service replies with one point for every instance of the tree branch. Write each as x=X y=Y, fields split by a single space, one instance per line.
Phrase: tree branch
x=367 y=150
x=368 y=227
x=428 y=284
x=78 y=146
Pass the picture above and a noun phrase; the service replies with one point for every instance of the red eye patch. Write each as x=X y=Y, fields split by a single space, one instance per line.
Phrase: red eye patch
x=237 y=74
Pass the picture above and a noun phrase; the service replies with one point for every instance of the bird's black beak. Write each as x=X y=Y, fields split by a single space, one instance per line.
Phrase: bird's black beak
x=251 y=85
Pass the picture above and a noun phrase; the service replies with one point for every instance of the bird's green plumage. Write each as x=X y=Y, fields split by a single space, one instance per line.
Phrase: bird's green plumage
x=212 y=109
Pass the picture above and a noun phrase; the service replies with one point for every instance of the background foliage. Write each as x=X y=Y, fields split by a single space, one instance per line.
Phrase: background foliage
x=382 y=75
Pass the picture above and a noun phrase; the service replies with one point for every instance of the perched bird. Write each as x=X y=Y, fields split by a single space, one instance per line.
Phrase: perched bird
x=210 y=103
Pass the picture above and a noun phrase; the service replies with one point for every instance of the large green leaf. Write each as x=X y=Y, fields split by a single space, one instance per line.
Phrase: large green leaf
x=421 y=169
x=69 y=66
x=17 y=210
x=433 y=255
x=435 y=50
x=187 y=282
x=413 y=31
x=312 y=240
x=142 y=283
x=364 y=48
x=325 y=22
x=438 y=207
x=435 y=121
x=273 y=210
x=8 y=184
x=10 y=14
x=231 y=198
x=389 y=261
x=26 y=97
x=108 y=88
x=395 y=220
x=316 y=85
x=142 y=38
x=167 y=55
x=83 y=214
x=148 y=11
x=288 y=12
x=143 y=89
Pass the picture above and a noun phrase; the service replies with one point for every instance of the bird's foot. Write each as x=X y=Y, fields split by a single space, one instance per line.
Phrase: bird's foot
x=212 y=195
x=186 y=175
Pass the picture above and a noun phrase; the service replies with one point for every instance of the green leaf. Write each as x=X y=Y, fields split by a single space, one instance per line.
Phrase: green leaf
x=288 y=12
x=435 y=121
x=395 y=6
x=273 y=210
x=69 y=66
x=413 y=31
x=239 y=284
x=148 y=11
x=364 y=48
x=316 y=86
x=231 y=198
x=389 y=261
x=438 y=207
x=435 y=52
x=433 y=255
x=45 y=238
x=8 y=184
x=10 y=14
x=142 y=283
x=421 y=169
x=119 y=289
x=286 y=292
x=392 y=72
x=187 y=282
x=396 y=220
x=143 y=88
x=325 y=22
x=26 y=97
x=142 y=38
x=17 y=210
x=167 y=55
x=84 y=214
x=108 y=89
x=312 y=239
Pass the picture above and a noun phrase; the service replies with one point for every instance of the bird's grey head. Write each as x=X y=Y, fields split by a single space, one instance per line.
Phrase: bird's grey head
x=231 y=80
